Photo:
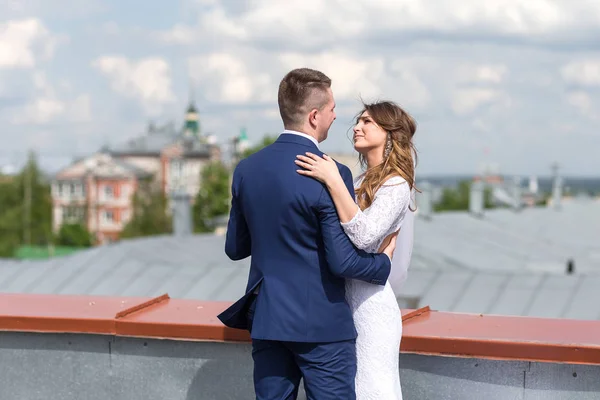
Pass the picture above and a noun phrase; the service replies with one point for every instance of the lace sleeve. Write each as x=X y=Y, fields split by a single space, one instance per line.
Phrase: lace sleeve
x=369 y=227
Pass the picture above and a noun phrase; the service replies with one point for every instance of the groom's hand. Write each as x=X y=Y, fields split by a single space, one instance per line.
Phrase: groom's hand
x=389 y=244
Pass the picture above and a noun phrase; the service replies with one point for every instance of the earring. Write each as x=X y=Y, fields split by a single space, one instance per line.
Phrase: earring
x=388 y=146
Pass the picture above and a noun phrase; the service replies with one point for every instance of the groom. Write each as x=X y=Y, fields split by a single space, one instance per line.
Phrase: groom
x=294 y=306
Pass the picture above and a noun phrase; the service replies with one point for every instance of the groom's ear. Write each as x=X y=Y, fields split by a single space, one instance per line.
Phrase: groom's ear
x=312 y=116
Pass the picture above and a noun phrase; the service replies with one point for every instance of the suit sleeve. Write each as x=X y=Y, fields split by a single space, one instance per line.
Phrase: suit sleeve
x=237 y=241
x=343 y=258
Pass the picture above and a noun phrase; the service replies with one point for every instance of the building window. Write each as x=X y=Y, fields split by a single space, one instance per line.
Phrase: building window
x=69 y=190
x=108 y=192
x=73 y=215
x=176 y=168
x=108 y=216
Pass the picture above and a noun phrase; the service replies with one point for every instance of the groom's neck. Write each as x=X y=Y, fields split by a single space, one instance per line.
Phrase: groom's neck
x=306 y=131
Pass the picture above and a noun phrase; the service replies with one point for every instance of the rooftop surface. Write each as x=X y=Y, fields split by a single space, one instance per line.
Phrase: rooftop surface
x=424 y=331
x=506 y=263
x=137 y=319
x=95 y=347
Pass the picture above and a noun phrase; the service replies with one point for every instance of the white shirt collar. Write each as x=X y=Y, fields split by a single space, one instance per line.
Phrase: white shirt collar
x=304 y=135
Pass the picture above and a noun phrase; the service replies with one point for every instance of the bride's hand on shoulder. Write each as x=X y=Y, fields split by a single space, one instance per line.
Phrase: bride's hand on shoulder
x=323 y=169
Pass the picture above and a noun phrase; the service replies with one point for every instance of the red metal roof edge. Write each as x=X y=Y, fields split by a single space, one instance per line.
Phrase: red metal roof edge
x=425 y=332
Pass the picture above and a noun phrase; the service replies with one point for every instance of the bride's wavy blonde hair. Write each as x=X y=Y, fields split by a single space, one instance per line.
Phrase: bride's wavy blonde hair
x=401 y=128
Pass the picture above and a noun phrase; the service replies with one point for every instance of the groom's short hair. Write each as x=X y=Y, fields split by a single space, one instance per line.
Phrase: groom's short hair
x=300 y=91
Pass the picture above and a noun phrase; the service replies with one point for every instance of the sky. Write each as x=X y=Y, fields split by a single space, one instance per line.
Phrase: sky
x=506 y=83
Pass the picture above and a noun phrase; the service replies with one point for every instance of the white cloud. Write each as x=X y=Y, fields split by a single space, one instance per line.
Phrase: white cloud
x=47 y=105
x=229 y=79
x=586 y=72
x=40 y=111
x=111 y=28
x=467 y=100
x=582 y=102
x=253 y=77
x=351 y=76
x=404 y=82
x=24 y=42
x=63 y=9
x=485 y=73
x=316 y=22
x=458 y=66
x=80 y=109
x=43 y=110
x=179 y=34
x=40 y=82
x=148 y=80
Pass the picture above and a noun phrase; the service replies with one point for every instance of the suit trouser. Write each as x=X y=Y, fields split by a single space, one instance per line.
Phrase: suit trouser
x=328 y=369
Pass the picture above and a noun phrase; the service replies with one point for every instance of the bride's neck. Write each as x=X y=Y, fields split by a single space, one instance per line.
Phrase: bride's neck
x=373 y=158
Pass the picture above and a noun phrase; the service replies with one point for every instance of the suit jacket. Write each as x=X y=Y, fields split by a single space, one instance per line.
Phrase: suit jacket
x=301 y=257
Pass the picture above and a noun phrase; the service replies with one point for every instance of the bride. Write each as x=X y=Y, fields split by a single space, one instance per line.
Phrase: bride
x=383 y=138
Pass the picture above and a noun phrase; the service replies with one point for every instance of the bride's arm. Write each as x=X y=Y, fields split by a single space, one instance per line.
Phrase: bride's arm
x=370 y=226
x=364 y=228
x=343 y=201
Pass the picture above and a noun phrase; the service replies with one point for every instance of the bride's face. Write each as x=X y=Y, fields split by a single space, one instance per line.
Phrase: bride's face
x=368 y=135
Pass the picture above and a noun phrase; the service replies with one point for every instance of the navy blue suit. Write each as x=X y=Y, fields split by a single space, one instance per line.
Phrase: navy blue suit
x=295 y=306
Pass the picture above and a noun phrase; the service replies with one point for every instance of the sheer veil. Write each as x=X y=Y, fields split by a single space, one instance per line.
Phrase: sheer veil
x=403 y=252
x=404 y=247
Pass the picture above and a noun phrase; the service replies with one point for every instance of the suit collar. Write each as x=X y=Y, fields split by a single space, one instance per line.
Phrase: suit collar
x=286 y=137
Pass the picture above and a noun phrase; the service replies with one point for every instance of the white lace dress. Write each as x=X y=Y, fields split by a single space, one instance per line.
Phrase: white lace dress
x=375 y=308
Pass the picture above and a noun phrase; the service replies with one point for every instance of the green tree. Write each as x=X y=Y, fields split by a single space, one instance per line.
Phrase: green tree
x=10 y=219
x=212 y=199
x=25 y=209
x=74 y=235
x=150 y=216
x=37 y=204
x=457 y=199
x=454 y=199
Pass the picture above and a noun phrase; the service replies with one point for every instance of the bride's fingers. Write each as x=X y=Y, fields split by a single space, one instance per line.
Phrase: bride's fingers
x=303 y=164
x=313 y=156
x=306 y=159
x=304 y=172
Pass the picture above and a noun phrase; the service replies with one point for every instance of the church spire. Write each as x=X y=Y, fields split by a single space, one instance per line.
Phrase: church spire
x=192 y=120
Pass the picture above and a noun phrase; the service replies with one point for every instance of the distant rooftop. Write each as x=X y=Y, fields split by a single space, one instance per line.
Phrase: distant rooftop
x=532 y=240
x=156 y=139
x=100 y=165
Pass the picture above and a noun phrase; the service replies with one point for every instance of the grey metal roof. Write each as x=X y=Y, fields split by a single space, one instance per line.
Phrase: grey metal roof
x=535 y=239
x=530 y=294
x=185 y=267
x=142 y=145
x=152 y=143
x=506 y=263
